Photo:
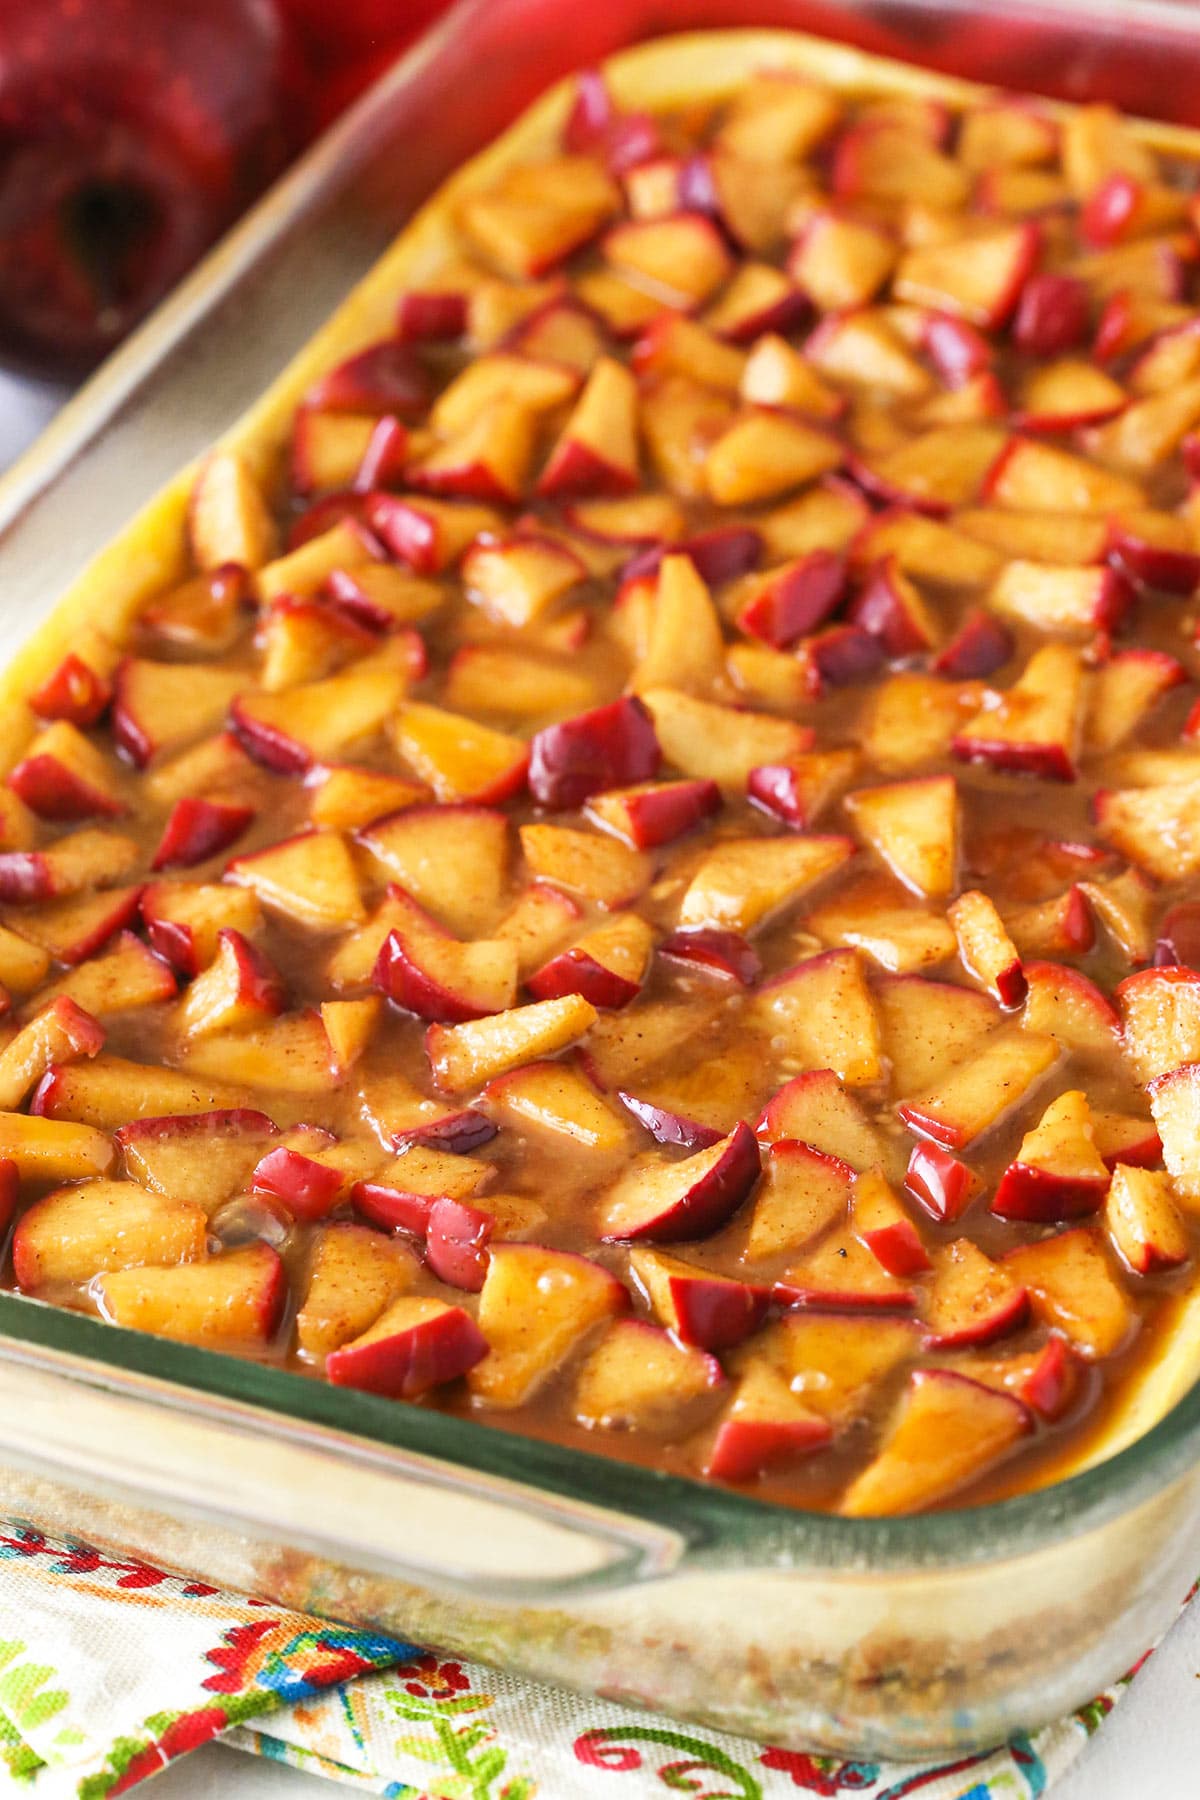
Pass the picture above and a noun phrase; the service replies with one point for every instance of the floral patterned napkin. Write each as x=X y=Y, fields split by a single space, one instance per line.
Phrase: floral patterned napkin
x=111 y=1668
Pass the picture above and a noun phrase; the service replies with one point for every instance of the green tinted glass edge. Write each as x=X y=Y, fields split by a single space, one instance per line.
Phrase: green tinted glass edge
x=722 y=1528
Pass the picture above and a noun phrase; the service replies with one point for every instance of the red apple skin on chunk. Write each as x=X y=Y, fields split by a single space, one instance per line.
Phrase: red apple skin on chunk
x=355 y=1274
x=816 y=1110
x=950 y=1430
x=766 y=1425
x=233 y=1299
x=1144 y=1222
x=1058 y=1173
x=700 y=1307
x=1175 y=1105
x=942 y=1184
x=675 y=1202
x=456 y=1241
x=198 y=829
x=610 y=747
x=972 y=1098
x=416 y=1344
x=972 y=1300
x=536 y=1308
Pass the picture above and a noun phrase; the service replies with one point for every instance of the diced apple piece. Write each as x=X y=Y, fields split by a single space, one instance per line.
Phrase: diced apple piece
x=75 y=1232
x=913 y=825
x=1063 y=1002
x=1068 y=394
x=652 y=813
x=978 y=278
x=426 y=534
x=401 y=1195
x=1036 y=477
x=310 y=878
x=745 y=880
x=684 y=649
x=348 y=798
x=714 y=743
x=240 y=988
x=217 y=766
x=607 y=747
x=950 y=1431
x=1156 y=827
x=1035 y=726
x=1072 y=1290
x=667 y=1202
x=1061 y=600
x=639 y=1378
x=108 y=1092
x=79 y=689
x=787 y=602
x=183 y=921
x=941 y=469
x=1123 y=905
x=803 y=1192
x=1160 y=1019
x=834 y=1364
x=971 y=1098
x=356 y=1273
x=459 y=758
x=775 y=374
x=942 y=1184
x=622 y=1045
x=698 y=1305
x=556 y=1098
x=537 y=1307
x=1125 y=1138
x=883 y=1224
x=684 y=255
x=842 y=1275
x=63 y=777
x=228 y=518
x=350 y=1026
x=1175 y=1104
x=841 y=262
x=1058 y=1173
x=54 y=1150
x=319 y=720
x=23 y=965
x=798 y=790
x=815 y=1109
x=765 y=453
x=823 y=1013
x=972 y=1300
x=452 y=859
x=290 y=1055
x=229 y=1300
x=597 y=452
x=1147 y=432
x=203 y=1157
x=198 y=829
x=988 y=953
x=160 y=705
x=1143 y=1221
x=584 y=862
x=428 y=972
x=416 y=1344
x=607 y=966
x=467 y=1056
x=860 y=349
x=767 y=1424
x=74 y=929
x=92 y=858
x=1052 y=314
x=59 y=1035
x=517 y=580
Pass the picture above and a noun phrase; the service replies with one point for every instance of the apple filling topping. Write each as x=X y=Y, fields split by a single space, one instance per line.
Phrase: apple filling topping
x=642 y=881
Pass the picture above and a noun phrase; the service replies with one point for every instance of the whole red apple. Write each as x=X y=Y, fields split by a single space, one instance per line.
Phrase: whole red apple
x=132 y=133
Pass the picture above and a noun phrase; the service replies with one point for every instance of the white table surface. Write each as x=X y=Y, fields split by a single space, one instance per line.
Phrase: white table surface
x=1149 y=1751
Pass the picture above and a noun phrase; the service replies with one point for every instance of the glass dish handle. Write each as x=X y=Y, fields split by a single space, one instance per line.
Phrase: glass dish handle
x=142 y=1442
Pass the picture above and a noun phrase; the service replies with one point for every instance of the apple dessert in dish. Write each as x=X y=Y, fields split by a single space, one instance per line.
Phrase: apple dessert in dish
x=643 y=883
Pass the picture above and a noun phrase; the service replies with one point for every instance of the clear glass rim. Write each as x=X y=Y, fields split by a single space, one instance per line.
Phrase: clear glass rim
x=718 y=1525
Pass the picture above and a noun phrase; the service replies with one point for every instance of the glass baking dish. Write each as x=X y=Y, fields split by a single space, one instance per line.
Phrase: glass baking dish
x=877 y=1637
